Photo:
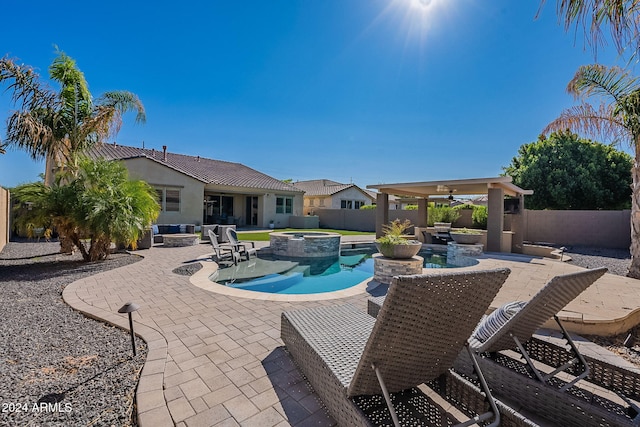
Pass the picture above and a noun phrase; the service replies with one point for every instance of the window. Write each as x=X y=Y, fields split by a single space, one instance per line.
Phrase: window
x=311 y=202
x=168 y=199
x=284 y=205
x=351 y=204
x=172 y=200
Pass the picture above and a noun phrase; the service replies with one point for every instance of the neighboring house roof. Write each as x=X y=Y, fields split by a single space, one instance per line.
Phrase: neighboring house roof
x=208 y=171
x=326 y=187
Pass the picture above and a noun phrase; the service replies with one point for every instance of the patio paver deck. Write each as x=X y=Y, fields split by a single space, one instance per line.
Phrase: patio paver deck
x=217 y=359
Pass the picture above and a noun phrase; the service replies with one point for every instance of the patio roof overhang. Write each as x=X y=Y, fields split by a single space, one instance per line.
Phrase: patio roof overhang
x=456 y=186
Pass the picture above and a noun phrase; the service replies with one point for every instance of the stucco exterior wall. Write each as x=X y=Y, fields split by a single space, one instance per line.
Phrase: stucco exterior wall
x=4 y=217
x=348 y=194
x=334 y=201
x=268 y=209
x=191 y=190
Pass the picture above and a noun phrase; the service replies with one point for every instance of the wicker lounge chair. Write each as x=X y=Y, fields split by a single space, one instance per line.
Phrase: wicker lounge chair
x=552 y=298
x=554 y=398
x=240 y=247
x=347 y=355
x=222 y=252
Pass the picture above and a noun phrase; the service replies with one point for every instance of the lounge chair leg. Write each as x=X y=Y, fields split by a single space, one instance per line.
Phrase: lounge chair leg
x=524 y=354
x=485 y=388
x=387 y=398
x=579 y=357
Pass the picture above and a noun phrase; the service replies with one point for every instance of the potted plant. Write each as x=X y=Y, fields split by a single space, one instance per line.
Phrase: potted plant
x=393 y=244
x=466 y=236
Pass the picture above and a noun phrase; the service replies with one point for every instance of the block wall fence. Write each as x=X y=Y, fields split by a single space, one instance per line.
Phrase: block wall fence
x=606 y=229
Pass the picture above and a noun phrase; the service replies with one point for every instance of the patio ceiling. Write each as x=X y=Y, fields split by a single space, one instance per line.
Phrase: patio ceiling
x=457 y=187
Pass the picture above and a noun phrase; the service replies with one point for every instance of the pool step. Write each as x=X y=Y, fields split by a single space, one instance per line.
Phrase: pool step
x=272 y=283
x=304 y=269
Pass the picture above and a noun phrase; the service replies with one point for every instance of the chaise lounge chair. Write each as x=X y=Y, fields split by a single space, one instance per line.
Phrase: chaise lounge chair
x=348 y=356
x=547 y=303
x=551 y=389
x=550 y=393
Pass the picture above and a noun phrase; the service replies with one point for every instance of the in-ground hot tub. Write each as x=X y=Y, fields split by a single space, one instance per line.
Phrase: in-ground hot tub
x=311 y=244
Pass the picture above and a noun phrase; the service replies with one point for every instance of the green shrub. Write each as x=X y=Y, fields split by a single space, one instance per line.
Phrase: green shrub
x=479 y=216
x=367 y=207
x=393 y=232
x=442 y=214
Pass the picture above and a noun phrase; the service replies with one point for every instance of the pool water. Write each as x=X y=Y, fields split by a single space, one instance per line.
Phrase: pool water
x=312 y=275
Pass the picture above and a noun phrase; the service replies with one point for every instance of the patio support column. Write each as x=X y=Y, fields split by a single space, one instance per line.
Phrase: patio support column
x=382 y=212
x=422 y=213
x=495 y=220
x=518 y=227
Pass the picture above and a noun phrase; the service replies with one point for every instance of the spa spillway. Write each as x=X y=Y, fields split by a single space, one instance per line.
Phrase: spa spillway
x=305 y=244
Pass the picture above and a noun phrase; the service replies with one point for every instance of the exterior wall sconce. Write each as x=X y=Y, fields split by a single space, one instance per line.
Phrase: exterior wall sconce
x=129 y=308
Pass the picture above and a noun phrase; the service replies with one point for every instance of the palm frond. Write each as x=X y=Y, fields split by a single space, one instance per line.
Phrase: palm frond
x=123 y=102
x=620 y=17
x=27 y=131
x=27 y=91
x=600 y=80
x=601 y=124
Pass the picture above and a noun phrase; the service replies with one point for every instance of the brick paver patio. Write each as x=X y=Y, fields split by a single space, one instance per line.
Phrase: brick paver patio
x=217 y=360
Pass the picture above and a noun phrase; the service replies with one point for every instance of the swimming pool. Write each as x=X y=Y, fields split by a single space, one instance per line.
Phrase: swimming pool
x=306 y=276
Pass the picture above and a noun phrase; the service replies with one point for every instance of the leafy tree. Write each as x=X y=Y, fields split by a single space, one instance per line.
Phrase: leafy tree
x=616 y=117
x=567 y=172
x=620 y=17
x=92 y=208
x=60 y=124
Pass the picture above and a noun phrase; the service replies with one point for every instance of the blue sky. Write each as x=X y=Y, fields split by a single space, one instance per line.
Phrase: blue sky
x=363 y=91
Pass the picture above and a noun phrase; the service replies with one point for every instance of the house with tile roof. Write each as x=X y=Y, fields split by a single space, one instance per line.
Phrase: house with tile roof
x=198 y=190
x=327 y=194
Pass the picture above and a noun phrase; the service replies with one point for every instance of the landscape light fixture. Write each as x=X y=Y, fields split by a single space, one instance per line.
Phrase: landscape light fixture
x=129 y=308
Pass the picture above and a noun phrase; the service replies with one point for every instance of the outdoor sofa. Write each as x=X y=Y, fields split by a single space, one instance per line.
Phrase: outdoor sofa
x=159 y=230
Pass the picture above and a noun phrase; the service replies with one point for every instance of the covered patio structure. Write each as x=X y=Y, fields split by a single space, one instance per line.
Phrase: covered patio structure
x=495 y=188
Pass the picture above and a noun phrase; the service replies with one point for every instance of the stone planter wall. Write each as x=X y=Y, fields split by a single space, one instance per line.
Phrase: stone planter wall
x=462 y=255
x=385 y=268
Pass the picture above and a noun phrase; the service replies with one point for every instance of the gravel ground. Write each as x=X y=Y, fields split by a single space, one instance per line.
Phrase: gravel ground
x=58 y=367
x=616 y=260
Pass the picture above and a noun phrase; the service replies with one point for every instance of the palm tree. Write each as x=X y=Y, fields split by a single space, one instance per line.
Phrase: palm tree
x=93 y=206
x=57 y=125
x=615 y=118
x=620 y=17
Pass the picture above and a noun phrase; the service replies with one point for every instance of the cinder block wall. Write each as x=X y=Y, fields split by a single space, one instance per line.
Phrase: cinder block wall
x=606 y=229
x=4 y=217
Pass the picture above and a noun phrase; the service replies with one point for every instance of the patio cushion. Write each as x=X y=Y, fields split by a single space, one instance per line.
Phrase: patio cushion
x=493 y=322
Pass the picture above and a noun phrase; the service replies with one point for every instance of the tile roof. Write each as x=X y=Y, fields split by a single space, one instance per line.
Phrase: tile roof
x=209 y=171
x=322 y=187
